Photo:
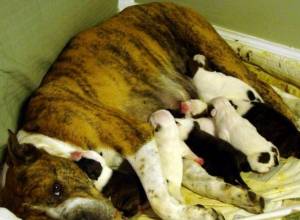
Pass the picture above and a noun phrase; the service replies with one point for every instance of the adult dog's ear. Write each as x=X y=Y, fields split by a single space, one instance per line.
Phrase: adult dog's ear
x=21 y=153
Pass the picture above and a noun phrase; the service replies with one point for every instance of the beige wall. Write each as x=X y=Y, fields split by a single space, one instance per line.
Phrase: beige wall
x=273 y=20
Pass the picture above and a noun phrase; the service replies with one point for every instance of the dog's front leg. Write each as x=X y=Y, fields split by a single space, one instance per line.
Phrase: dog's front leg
x=199 y=181
x=146 y=163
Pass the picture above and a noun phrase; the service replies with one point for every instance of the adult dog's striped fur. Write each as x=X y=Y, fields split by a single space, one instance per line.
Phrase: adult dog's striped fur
x=103 y=87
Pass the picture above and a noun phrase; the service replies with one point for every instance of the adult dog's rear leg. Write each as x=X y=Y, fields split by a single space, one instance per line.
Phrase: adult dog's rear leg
x=199 y=181
x=146 y=163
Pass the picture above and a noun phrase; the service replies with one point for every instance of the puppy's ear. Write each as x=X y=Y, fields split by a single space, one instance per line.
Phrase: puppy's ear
x=21 y=153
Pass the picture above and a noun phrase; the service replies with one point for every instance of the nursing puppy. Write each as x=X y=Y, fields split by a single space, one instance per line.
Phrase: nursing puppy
x=171 y=150
x=221 y=158
x=261 y=154
x=272 y=125
x=212 y=84
x=102 y=89
x=248 y=102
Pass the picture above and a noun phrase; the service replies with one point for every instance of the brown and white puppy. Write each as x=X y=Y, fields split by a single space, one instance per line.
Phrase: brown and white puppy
x=221 y=158
x=101 y=90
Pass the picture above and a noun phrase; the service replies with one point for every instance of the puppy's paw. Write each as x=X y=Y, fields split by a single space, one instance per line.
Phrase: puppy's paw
x=200 y=212
x=262 y=162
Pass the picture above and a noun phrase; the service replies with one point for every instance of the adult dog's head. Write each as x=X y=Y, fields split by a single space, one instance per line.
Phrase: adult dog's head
x=39 y=184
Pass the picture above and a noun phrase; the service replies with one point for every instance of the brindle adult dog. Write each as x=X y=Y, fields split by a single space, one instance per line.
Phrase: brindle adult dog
x=103 y=87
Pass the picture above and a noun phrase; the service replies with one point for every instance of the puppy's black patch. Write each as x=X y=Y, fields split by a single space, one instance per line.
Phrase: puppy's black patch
x=192 y=67
x=176 y=113
x=209 y=109
x=91 y=167
x=221 y=158
x=233 y=105
x=251 y=95
x=264 y=157
x=157 y=128
x=204 y=114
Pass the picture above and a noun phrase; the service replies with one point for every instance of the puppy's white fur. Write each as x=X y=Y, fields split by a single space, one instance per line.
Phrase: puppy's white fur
x=185 y=126
x=231 y=127
x=171 y=150
x=207 y=125
x=214 y=84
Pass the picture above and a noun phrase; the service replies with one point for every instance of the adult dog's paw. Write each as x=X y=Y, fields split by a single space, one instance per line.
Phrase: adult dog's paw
x=262 y=162
x=255 y=204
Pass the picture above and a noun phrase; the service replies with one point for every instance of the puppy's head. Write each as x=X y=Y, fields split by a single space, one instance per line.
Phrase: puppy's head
x=164 y=124
x=262 y=162
x=41 y=184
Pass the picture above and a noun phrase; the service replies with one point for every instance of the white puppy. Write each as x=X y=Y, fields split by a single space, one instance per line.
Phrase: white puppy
x=207 y=125
x=171 y=150
x=261 y=154
x=214 y=84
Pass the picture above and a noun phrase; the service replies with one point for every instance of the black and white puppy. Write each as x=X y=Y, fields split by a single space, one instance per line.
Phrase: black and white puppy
x=212 y=84
x=269 y=123
x=272 y=125
x=261 y=154
x=221 y=159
